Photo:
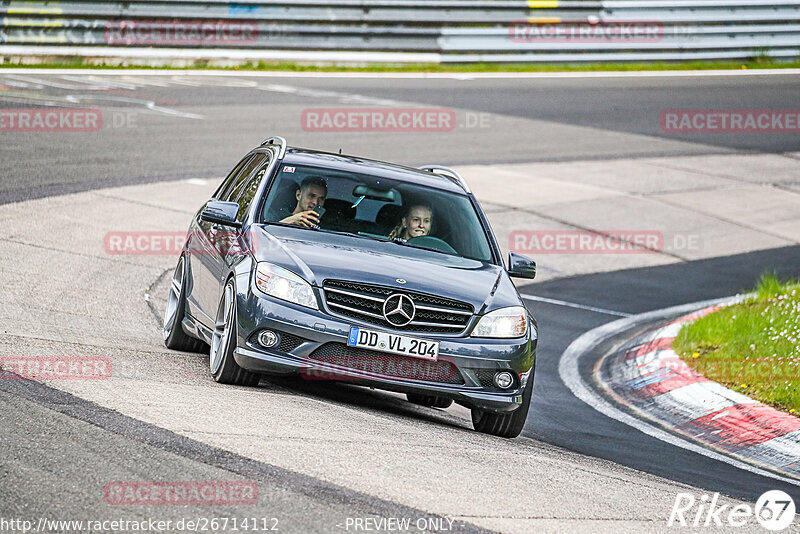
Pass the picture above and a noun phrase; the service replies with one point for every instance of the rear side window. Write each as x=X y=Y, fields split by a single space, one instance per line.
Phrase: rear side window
x=248 y=191
x=243 y=178
x=227 y=184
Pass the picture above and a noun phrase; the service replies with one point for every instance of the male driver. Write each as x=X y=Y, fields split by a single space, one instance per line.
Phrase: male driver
x=415 y=223
x=311 y=194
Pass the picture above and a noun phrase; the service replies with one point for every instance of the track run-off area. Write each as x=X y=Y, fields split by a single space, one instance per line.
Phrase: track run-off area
x=547 y=156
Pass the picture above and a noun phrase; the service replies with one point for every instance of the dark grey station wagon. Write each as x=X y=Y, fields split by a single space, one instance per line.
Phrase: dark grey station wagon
x=348 y=269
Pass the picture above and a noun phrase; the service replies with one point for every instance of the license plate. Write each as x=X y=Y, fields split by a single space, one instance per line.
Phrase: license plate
x=393 y=343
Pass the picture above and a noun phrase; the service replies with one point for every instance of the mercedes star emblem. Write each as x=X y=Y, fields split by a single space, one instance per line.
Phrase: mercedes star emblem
x=398 y=309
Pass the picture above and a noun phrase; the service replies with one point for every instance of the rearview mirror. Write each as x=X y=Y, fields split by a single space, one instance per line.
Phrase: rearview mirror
x=220 y=212
x=373 y=193
x=521 y=266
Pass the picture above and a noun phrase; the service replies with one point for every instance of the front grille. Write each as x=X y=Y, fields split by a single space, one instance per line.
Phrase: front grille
x=387 y=365
x=365 y=302
x=486 y=377
x=289 y=342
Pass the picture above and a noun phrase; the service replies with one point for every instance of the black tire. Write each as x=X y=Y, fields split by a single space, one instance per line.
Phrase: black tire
x=223 y=367
x=429 y=400
x=504 y=425
x=175 y=337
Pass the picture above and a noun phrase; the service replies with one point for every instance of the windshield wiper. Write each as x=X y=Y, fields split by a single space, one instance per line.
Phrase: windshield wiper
x=401 y=241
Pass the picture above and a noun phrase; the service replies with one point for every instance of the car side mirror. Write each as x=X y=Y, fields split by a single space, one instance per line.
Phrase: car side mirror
x=521 y=266
x=221 y=212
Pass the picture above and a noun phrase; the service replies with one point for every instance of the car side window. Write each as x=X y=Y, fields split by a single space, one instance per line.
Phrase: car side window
x=242 y=179
x=227 y=184
x=249 y=189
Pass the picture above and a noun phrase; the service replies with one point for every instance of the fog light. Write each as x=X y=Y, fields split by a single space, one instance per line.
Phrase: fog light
x=503 y=379
x=268 y=338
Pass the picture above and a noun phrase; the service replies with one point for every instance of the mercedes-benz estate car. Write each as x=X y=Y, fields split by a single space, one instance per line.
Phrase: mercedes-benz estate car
x=341 y=268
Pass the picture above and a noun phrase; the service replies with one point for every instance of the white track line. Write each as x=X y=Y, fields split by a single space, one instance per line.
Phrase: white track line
x=568 y=371
x=574 y=305
x=409 y=75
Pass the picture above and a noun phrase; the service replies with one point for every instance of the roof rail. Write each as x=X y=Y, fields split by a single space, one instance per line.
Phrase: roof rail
x=448 y=173
x=276 y=140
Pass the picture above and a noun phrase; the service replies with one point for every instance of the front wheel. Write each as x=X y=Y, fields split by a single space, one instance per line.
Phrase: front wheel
x=174 y=336
x=504 y=425
x=223 y=367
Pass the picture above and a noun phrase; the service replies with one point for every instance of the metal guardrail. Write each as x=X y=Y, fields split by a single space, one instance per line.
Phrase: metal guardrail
x=456 y=30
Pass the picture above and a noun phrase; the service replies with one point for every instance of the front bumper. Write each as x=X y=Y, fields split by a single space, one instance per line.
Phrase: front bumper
x=472 y=359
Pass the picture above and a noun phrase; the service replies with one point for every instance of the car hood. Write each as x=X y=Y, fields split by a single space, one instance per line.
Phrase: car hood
x=320 y=256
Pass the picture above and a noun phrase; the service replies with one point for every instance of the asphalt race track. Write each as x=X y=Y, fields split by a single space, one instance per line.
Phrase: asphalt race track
x=152 y=130
x=581 y=469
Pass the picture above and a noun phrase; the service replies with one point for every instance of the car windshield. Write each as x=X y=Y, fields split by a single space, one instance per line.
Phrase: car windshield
x=367 y=206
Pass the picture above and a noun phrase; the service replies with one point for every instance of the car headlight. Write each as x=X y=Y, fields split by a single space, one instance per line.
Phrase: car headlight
x=503 y=323
x=285 y=285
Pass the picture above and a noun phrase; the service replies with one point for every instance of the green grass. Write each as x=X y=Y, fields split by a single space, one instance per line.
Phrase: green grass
x=752 y=347
x=111 y=63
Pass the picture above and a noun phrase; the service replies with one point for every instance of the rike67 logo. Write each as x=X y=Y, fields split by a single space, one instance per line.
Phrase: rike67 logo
x=774 y=510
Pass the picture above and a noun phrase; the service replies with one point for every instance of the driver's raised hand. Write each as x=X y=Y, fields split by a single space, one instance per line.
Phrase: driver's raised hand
x=306 y=219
